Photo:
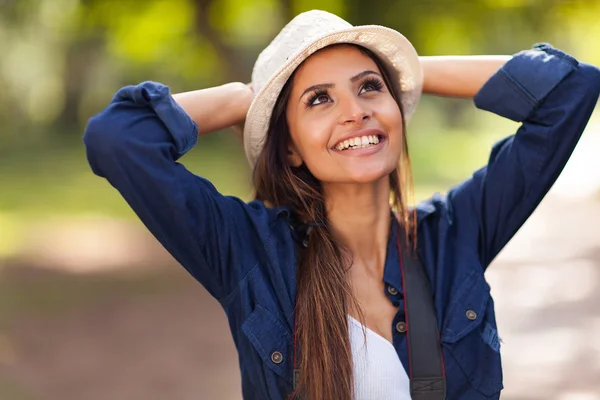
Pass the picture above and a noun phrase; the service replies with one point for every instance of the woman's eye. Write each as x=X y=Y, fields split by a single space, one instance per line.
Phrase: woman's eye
x=371 y=86
x=368 y=88
x=319 y=99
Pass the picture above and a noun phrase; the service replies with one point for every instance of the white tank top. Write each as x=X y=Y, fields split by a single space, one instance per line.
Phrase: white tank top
x=378 y=371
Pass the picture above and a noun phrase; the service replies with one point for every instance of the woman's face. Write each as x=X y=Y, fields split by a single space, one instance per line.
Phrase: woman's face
x=344 y=123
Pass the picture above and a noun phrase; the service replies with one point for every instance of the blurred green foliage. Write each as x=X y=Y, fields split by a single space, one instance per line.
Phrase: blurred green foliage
x=62 y=60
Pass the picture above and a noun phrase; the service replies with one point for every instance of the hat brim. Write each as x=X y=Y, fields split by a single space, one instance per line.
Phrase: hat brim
x=393 y=49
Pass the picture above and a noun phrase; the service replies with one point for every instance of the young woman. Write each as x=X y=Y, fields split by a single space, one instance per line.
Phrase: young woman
x=309 y=273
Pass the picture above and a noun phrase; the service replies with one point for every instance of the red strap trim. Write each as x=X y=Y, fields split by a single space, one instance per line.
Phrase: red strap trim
x=404 y=296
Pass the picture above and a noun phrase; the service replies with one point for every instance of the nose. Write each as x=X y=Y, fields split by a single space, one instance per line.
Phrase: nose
x=353 y=112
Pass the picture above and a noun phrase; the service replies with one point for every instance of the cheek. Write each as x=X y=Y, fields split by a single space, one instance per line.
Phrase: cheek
x=390 y=117
x=311 y=138
x=389 y=114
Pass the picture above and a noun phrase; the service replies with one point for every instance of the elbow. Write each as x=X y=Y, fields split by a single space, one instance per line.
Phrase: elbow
x=131 y=126
x=589 y=78
x=101 y=137
x=571 y=103
x=105 y=131
x=595 y=72
x=99 y=134
x=106 y=134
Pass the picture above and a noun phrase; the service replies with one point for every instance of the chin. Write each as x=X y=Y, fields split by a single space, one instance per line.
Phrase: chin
x=369 y=174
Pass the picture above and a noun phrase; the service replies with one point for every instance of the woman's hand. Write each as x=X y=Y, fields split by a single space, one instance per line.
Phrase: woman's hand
x=239 y=127
x=458 y=76
x=218 y=107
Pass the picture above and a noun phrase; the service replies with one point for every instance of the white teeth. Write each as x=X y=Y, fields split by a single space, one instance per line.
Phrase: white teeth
x=358 y=142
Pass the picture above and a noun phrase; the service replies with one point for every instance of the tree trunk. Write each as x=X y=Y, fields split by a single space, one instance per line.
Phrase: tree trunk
x=231 y=61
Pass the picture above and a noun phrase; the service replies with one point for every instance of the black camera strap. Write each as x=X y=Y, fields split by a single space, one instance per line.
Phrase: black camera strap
x=426 y=361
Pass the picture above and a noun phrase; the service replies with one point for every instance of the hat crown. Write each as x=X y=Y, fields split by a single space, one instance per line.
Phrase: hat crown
x=299 y=33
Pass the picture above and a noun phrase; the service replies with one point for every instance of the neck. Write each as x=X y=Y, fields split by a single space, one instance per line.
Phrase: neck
x=359 y=217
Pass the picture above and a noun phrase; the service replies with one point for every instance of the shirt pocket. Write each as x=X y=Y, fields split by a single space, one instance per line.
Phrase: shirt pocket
x=272 y=340
x=470 y=336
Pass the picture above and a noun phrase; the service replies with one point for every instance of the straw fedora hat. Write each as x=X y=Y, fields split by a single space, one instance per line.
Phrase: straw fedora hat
x=304 y=35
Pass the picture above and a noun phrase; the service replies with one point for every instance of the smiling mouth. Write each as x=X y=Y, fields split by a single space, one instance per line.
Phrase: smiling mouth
x=359 y=142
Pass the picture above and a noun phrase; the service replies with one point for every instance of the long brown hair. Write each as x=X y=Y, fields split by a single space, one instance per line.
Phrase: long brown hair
x=323 y=290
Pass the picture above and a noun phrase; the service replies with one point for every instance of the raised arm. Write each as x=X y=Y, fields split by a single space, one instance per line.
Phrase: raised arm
x=553 y=95
x=458 y=76
x=216 y=108
x=135 y=144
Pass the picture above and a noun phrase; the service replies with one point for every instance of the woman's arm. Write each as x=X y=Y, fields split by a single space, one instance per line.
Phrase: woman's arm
x=553 y=96
x=135 y=144
x=459 y=76
x=218 y=107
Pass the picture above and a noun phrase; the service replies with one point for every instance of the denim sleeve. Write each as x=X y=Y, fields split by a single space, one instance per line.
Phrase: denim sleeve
x=135 y=143
x=553 y=96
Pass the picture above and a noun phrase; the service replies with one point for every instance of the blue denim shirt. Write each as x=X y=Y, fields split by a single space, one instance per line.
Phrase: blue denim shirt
x=244 y=253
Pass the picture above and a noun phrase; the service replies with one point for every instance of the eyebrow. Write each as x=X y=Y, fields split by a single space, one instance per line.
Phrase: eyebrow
x=323 y=86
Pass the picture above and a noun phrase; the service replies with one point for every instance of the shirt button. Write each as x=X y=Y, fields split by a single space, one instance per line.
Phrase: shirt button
x=472 y=315
x=277 y=357
x=392 y=290
x=401 y=327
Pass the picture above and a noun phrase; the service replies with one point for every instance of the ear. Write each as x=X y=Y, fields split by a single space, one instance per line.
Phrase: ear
x=293 y=157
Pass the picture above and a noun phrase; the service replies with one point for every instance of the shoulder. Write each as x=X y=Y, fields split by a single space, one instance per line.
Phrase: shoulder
x=447 y=220
x=433 y=208
x=257 y=219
